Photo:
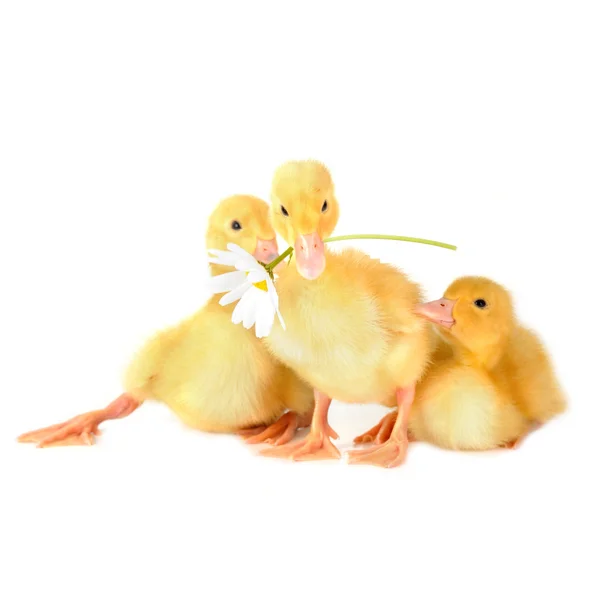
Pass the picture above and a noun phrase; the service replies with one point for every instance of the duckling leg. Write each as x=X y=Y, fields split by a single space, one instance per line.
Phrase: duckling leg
x=81 y=429
x=391 y=452
x=279 y=433
x=317 y=445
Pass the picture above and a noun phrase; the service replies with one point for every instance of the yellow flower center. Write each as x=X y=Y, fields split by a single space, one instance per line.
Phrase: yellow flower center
x=261 y=285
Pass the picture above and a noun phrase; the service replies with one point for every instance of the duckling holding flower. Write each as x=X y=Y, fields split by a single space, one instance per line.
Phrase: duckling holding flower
x=363 y=343
x=214 y=376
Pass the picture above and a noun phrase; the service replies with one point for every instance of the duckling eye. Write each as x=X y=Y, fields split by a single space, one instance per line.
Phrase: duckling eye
x=325 y=206
x=236 y=225
x=480 y=303
x=284 y=211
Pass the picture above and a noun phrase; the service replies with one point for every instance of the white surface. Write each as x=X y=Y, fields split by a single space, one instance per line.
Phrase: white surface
x=122 y=124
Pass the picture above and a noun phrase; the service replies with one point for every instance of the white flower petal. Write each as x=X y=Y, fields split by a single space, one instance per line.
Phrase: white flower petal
x=247 y=264
x=258 y=276
x=239 y=251
x=255 y=307
x=272 y=293
x=280 y=319
x=264 y=319
x=220 y=257
x=236 y=294
x=275 y=300
x=260 y=329
x=218 y=261
x=239 y=310
x=251 y=307
x=226 y=282
x=245 y=261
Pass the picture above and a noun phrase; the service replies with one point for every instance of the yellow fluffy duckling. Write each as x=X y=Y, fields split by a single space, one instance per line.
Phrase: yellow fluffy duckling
x=491 y=381
x=216 y=376
x=352 y=332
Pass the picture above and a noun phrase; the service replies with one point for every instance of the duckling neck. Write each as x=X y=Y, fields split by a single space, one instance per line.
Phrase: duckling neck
x=484 y=358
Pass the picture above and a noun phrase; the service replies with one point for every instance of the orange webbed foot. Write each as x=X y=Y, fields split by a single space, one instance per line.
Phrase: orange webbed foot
x=381 y=432
x=316 y=446
x=390 y=453
x=391 y=435
x=279 y=433
x=79 y=431
x=251 y=431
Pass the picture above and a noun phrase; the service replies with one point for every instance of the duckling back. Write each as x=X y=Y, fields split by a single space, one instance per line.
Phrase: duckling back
x=149 y=359
x=527 y=370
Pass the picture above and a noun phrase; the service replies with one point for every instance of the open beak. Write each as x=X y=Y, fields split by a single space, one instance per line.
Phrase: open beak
x=438 y=311
x=310 y=255
x=266 y=250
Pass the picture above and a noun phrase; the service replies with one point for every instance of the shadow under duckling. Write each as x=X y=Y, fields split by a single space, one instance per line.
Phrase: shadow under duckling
x=490 y=382
x=214 y=375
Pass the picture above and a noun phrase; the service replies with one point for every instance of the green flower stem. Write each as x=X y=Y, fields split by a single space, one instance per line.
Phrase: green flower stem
x=399 y=238
x=362 y=236
x=275 y=262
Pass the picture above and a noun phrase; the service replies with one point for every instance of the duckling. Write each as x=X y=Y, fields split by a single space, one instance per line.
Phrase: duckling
x=214 y=375
x=351 y=329
x=491 y=382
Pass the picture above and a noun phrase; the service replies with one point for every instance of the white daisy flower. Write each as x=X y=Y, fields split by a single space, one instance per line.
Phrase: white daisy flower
x=250 y=285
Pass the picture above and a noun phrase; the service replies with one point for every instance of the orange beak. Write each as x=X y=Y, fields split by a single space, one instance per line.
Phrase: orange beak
x=266 y=250
x=310 y=255
x=438 y=311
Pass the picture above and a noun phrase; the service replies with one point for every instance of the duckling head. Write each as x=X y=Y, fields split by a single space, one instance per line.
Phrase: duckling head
x=243 y=220
x=304 y=211
x=475 y=312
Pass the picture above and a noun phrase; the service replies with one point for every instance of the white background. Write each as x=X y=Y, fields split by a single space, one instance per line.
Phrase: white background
x=122 y=123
